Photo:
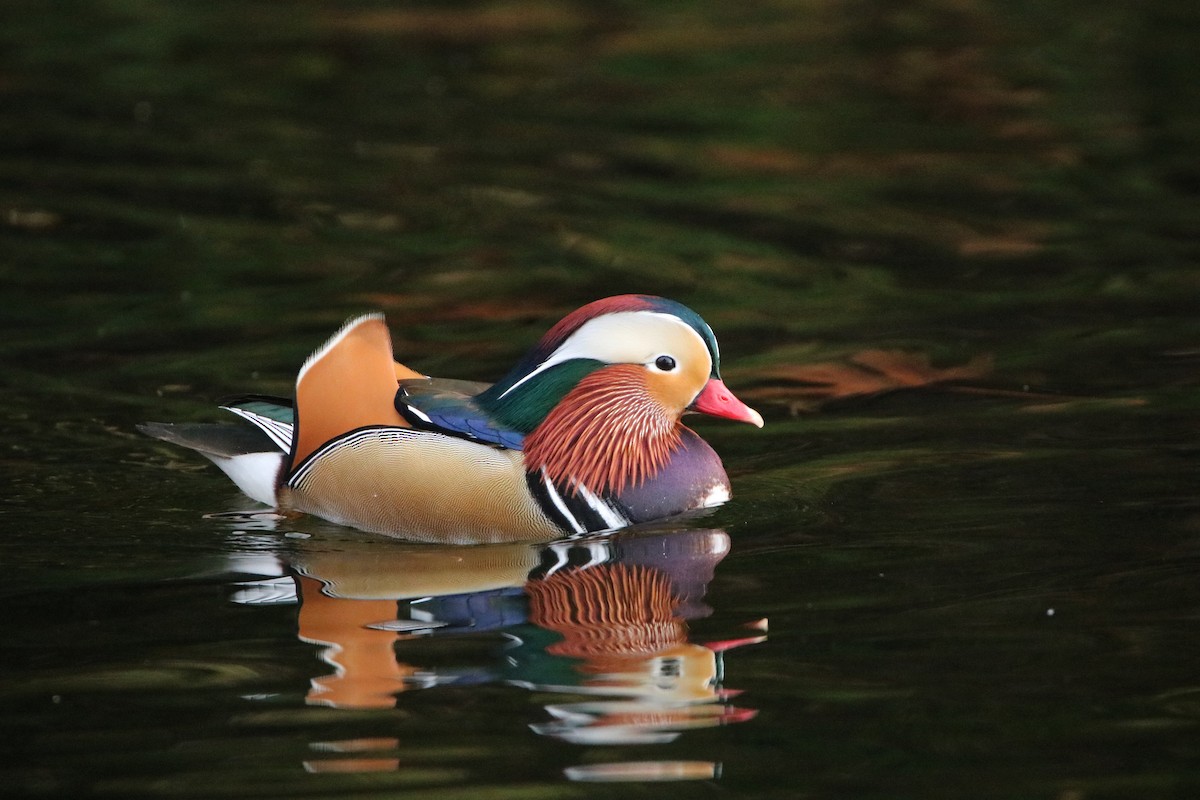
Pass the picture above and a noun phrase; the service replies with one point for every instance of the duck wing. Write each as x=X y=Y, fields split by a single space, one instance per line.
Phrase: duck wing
x=449 y=406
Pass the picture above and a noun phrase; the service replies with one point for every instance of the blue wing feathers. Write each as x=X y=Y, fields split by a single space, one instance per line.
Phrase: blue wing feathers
x=449 y=407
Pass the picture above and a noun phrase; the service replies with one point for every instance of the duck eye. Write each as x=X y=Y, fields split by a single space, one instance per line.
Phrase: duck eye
x=665 y=363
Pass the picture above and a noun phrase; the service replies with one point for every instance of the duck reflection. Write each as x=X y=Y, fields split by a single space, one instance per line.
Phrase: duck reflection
x=606 y=619
x=622 y=627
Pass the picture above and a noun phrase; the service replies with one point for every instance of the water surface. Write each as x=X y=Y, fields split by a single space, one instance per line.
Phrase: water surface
x=949 y=250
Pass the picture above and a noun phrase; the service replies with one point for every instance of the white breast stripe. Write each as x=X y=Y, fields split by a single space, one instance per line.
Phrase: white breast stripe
x=612 y=518
x=559 y=504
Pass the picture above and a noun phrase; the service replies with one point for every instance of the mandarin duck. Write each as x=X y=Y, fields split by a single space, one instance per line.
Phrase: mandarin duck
x=582 y=435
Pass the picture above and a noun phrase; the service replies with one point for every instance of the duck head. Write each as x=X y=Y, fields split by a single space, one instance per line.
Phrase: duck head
x=600 y=397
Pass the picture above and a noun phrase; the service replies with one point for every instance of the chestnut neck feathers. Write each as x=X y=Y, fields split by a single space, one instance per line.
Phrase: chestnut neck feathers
x=607 y=433
x=599 y=398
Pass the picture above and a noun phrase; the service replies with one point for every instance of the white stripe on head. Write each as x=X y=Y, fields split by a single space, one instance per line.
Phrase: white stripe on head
x=624 y=337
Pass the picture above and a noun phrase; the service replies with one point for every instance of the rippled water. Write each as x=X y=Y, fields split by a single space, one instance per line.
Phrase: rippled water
x=949 y=250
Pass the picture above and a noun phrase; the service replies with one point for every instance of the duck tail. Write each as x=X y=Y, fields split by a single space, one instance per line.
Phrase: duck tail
x=250 y=457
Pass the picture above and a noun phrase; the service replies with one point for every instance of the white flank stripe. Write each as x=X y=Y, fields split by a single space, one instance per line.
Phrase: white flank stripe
x=355 y=439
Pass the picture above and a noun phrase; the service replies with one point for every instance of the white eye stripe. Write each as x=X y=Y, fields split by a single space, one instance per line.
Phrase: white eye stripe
x=622 y=338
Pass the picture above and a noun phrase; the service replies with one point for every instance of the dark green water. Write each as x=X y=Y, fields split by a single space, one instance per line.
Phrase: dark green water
x=986 y=590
